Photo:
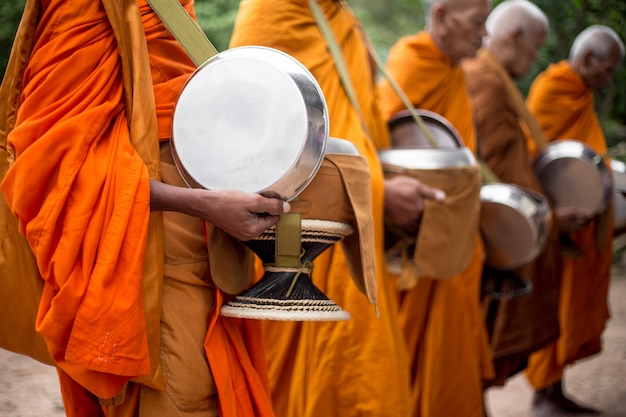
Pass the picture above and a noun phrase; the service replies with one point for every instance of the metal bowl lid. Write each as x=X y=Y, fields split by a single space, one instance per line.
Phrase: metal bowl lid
x=573 y=174
x=514 y=225
x=253 y=119
x=405 y=131
x=427 y=158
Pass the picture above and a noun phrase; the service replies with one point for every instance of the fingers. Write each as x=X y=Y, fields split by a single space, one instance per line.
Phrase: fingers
x=271 y=206
x=432 y=193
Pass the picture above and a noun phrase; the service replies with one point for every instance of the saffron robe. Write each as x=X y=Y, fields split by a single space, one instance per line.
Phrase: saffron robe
x=521 y=325
x=564 y=108
x=84 y=115
x=357 y=367
x=442 y=319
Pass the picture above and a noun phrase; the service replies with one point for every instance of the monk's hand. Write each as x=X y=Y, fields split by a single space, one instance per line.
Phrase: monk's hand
x=573 y=219
x=244 y=215
x=404 y=201
x=241 y=214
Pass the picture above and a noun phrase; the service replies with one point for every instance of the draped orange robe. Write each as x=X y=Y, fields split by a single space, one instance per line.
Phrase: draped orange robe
x=84 y=120
x=442 y=319
x=520 y=325
x=357 y=367
x=564 y=108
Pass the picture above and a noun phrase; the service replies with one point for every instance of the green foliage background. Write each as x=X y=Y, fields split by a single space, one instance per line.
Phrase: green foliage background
x=386 y=21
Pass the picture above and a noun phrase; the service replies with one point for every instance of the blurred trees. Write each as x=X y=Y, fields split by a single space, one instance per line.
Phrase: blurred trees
x=386 y=21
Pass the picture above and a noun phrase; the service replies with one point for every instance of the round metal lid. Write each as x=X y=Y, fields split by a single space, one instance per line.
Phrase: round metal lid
x=252 y=119
x=573 y=174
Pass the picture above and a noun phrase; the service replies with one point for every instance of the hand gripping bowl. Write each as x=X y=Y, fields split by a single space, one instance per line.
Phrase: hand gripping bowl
x=255 y=119
x=574 y=175
x=502 y=206
x=326 y=212
x=444 y=245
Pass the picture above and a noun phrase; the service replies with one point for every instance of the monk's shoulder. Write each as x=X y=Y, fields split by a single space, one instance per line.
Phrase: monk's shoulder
x=481 y=76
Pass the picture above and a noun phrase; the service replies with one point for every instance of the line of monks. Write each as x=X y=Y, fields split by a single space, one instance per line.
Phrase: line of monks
x=130 y=306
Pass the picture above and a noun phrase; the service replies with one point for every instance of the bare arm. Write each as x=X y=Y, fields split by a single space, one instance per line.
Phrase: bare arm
x=242 y=214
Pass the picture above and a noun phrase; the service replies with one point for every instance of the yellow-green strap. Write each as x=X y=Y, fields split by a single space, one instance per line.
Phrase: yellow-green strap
x=340 y=64
x=335 y=51
x=185 y=29
x=288 y=240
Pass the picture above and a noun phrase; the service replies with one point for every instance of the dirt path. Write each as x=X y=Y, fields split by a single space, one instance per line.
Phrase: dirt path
x=30 y=389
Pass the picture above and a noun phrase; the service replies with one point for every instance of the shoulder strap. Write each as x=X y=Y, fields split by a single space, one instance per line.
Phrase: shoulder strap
x=185 y=29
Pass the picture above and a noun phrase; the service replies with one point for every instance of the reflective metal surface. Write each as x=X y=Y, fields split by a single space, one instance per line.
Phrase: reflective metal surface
x=574 y=175
x=336 y=145
x=424 y=158
x=514 y=223
x=619 y=182
x=405 y=132
x=250 y=118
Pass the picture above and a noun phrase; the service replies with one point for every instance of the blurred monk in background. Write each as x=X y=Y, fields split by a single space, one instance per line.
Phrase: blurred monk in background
x=129 y=310
x=516 y=31
x=562 y=100
x=442 y=319
x=360 y=366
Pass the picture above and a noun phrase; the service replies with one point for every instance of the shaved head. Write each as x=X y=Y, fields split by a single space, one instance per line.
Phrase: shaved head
x=597 y=40
x=596 y=54
x=449 y=4
x=457 y=26
x=516 y=30
x=515 y=16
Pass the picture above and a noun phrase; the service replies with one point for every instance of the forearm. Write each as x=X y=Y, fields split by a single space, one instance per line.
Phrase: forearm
x=166 y=197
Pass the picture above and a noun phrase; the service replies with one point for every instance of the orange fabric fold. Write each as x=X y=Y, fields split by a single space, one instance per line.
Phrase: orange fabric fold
x=359 y=366
x=235 y=353
x=564 y=108
x=86 y=142
x=440 y=316
x=430 y=81
x=81 y=193
x=520 y=325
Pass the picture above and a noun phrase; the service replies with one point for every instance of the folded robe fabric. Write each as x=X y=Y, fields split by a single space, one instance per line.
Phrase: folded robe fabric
x=334 y=369
x=440 y=316
x=84 y=123
x=521 y=325
x=564 y=108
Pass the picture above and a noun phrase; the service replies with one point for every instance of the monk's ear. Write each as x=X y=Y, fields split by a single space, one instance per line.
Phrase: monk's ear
x=439 y=14
x=517 y=37
x=588 y=59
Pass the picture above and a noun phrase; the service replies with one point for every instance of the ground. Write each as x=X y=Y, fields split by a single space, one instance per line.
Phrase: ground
x=30 y=389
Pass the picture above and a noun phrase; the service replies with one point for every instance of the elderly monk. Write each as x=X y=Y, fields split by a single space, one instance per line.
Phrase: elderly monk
x=357 y=367
x=516 y=30
x=562 y=100
x=442 y=319
x=129 y=310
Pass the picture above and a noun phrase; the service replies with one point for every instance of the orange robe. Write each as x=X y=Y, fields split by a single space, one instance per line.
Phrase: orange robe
x=357 y=367
x=520 y=325
x=84 y=120
x=442 y=319
x=564 y=108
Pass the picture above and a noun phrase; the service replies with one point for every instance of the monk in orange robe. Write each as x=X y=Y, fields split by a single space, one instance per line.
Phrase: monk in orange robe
x=129 y=311
x=517 y=326
x=357 y=367
x=442 y=319
x=562 y=100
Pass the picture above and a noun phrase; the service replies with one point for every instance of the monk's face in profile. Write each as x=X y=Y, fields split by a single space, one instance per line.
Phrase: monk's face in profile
x=458 y=26
x=598 y=73
x=525 y=50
